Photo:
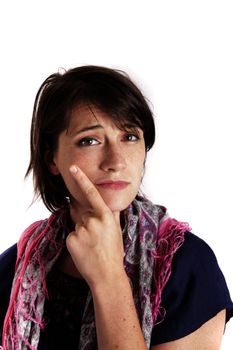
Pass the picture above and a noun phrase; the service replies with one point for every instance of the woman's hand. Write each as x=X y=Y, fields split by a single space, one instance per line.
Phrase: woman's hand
x=96 y=245
x=96 y=248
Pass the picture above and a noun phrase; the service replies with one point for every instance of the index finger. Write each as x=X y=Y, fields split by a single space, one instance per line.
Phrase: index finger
x=88 y=189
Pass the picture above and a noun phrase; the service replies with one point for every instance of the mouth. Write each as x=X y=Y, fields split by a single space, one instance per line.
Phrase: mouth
x=113 y=185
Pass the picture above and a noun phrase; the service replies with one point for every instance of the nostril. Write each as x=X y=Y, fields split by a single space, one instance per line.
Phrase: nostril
x=114 y=162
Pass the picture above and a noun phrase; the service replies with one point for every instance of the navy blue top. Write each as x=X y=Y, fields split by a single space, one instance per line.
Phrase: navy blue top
x=195 y=292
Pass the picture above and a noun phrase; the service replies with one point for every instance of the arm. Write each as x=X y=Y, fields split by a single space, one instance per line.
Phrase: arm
x=207 y=337
x=96 y=248
x=116 y=318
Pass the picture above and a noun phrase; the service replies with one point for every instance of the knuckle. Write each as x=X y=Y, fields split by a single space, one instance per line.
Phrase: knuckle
x=70 y=239
x=90 y=191
x=106 y=214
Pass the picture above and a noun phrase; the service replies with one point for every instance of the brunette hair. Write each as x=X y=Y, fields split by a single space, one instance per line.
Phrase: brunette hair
x=110 y=90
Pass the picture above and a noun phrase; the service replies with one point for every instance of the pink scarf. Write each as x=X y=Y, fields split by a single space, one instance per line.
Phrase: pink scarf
x=150 y=238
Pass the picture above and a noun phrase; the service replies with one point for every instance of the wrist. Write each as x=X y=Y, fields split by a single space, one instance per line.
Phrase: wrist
x=113 y=283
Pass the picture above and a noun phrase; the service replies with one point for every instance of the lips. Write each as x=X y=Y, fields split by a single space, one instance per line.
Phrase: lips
x=113 y=185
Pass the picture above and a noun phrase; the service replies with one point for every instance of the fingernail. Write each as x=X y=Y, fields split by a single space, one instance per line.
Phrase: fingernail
x=73 y=169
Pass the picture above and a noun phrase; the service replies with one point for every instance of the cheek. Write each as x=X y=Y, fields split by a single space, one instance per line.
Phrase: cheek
x=84 y=163
x=72 y=187
x=70 y=157
x=89 y=168
x=137 y=161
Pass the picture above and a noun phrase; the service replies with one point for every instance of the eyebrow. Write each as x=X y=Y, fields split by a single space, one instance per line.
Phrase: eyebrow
x=99 y=126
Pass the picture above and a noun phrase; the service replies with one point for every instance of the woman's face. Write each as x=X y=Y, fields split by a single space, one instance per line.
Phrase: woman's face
x=111 y=158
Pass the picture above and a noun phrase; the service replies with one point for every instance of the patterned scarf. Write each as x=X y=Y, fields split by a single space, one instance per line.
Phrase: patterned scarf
x=150 y=240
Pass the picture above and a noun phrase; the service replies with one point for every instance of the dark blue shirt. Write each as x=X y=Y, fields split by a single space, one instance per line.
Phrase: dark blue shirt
x=195 y=292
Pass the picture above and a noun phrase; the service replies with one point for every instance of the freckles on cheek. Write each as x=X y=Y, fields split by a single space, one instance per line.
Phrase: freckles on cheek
x=138 y=158
x=86 y=163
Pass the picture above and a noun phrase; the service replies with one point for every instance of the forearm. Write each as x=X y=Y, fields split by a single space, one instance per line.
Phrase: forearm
x=117 y=322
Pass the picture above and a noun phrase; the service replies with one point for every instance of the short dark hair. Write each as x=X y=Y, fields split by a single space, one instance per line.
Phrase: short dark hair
x=110 y=90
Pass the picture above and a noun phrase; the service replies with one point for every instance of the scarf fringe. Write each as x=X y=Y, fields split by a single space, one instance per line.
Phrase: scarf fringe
x=26 y=247
x=169 y=240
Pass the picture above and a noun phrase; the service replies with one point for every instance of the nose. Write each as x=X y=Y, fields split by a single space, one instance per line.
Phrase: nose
x=113 y=159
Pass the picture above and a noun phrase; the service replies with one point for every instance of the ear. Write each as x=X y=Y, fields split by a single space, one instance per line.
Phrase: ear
x=51 y=163
x=53 y=168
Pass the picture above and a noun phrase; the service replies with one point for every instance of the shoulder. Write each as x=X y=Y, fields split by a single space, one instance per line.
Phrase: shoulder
x=7 y=270
x=195 y=245
x=8 y=259
x=195 y=261
x=194 y=255
x=195 y=292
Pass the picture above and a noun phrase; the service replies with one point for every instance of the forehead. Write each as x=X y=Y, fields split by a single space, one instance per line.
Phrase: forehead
x=87 y=115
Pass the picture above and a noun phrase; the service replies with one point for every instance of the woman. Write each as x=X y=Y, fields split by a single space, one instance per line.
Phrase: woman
x=108 y=269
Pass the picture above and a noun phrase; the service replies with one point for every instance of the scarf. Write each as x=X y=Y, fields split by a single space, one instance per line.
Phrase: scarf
x=150 y=239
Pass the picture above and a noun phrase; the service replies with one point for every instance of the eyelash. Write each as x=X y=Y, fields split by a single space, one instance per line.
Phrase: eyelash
x=134 y=135
x=83 y=142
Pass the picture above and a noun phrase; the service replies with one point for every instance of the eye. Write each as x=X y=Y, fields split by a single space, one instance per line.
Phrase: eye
x=131 y=137
x=87 y=141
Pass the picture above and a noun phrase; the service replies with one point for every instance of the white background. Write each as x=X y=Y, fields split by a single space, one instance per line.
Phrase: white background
x=180 y=54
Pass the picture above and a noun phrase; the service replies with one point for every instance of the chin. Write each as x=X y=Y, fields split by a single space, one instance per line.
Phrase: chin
x=117 y=203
